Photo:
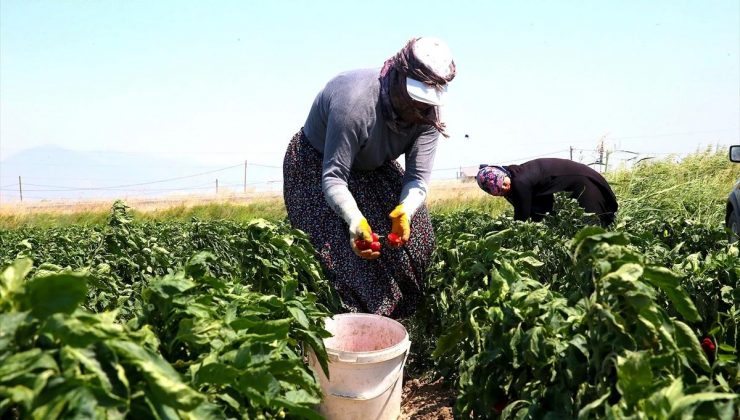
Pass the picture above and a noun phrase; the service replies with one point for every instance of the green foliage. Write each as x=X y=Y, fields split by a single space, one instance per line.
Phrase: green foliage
x=242 y=348
x=695 y=188
x=175 y=316
x=59 y=361
x=537 y=320
x=161 y=320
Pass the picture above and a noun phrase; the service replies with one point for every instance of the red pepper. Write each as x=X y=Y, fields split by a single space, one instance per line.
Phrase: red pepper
x=709 y=347
x=394 y=240
x=500 y=405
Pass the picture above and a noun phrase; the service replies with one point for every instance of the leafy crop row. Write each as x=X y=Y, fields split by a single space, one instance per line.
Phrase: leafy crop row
x=531 y=320
x=199 y=320
x=560 y=320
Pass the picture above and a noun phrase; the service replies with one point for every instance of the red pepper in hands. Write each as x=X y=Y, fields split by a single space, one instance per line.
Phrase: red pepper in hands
x=394 y=240
x=373 y=245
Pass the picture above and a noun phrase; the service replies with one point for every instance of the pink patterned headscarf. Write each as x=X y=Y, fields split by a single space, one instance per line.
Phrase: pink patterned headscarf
x=491 y=179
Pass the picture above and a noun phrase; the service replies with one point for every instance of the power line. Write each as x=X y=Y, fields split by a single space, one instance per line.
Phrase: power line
x=506 y=161
x=686 y=133
x=113 y=165
x=195 y=187
x=671 y=134
x=265 y=166
x=67 y=188
x=198 y=186
x=536 y=156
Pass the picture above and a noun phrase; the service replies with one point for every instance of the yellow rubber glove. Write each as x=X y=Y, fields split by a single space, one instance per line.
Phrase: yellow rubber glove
x=360 y=229
x=400 y=223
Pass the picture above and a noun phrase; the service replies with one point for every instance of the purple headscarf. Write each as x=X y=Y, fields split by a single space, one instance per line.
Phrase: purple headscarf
x=491 y=179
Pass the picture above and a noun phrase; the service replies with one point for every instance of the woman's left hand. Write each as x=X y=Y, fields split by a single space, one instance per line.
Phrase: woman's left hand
x=400 y=224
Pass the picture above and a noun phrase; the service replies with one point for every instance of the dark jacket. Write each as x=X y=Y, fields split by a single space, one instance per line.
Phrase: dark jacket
x=533 y=184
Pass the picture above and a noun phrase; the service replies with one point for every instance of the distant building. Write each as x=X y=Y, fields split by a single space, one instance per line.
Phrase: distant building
x=467 y=173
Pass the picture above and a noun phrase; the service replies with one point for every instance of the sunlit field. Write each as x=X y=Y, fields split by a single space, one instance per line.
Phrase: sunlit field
x=124 y=311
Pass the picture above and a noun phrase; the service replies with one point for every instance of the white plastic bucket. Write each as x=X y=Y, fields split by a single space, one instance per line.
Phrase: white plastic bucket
x=366 y=358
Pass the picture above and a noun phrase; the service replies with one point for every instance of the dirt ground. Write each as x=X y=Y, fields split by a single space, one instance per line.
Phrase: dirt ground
x=427 y=399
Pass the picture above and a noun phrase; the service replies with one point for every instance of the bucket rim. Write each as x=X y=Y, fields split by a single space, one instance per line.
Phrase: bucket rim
x=371 y=356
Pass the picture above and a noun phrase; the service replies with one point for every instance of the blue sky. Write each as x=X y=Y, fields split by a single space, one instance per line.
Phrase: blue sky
x=215 y=83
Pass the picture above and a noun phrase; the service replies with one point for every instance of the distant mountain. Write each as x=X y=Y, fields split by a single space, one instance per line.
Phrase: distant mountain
x=52 y=172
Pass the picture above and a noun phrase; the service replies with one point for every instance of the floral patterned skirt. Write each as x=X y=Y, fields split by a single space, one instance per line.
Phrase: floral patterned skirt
x=390 y=285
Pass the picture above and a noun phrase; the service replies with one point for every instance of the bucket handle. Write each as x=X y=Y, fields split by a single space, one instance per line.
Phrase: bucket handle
x=361 y=397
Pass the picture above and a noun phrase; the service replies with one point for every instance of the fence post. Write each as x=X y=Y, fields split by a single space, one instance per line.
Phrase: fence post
x=245 y=176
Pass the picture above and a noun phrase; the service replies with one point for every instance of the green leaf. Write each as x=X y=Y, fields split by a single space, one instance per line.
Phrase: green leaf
x=530 y=261
x=536 y=298
x=317 y=344
x=18 y=394
x=87 y=358
x=164 y=381
x=10 y=323
x=690 y=400
x=300 y=396
x=588 y=408
x=634 y=376
x=299 y=316
x=629 y=272
x=56 y=293
x=215 y=373
x=534 y=340
x=669 y=283
x=82 y=329
x=298 y=410
x=687 y=341
x=289 y=289
x=259 y=385
x=18 y=364
x=278 y=328
x=449 y=341
x=12 y=277
x=589 y=236
x=171 y=285
x=726 y=347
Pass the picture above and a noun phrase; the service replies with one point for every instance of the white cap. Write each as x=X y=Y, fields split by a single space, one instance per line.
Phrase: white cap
x=437 y=57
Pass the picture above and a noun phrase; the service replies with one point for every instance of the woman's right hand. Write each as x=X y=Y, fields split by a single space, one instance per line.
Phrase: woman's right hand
x=360 y=230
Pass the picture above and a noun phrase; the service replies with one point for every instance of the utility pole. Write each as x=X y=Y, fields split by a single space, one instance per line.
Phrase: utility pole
x=216 y=186
x=571 y=152
x=20 y=187
x=600 y=151
x=245 y=176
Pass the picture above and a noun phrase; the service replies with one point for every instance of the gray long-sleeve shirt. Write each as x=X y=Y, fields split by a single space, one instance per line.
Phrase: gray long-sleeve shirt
x=346 y=124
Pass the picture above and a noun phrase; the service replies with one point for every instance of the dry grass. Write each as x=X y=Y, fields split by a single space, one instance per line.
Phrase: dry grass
x=444 y=196
x=450 y=196
x=697 y=185
x=141 y=204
